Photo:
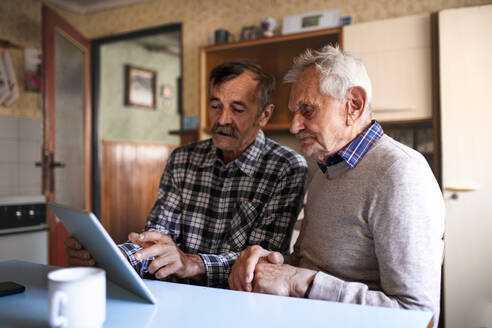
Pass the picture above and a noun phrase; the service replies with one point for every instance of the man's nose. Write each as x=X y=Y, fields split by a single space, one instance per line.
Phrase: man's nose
x=297 y=123
x=225 y=117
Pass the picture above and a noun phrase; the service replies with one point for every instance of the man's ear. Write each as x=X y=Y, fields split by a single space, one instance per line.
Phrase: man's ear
x=356 y=104
x=266 y=115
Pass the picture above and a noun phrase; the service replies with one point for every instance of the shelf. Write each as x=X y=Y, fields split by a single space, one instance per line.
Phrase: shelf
x=273 y=39
x=275 y=55
x=188 y=132
x=268 y=127
x=186 y=136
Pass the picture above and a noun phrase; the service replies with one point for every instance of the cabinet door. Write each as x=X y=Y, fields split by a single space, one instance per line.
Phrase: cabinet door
x=465 y=45
x=397 y=55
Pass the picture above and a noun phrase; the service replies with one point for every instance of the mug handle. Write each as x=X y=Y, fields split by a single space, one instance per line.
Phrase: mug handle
x=57 y=299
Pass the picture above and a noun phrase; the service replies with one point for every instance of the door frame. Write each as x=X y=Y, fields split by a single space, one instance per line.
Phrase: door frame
x=97 y=137
x=52 y=23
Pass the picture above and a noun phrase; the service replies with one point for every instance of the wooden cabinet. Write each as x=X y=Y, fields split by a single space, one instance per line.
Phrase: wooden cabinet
x=397 y=53
x=400 y=57
x=275 y=55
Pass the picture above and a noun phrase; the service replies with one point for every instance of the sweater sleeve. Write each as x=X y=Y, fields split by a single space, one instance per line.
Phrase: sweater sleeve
x=407 y=223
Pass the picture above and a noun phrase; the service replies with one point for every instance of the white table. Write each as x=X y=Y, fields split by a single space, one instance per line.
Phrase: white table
x=182 y=305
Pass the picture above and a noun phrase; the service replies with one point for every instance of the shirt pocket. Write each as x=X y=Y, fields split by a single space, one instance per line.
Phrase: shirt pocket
x=241 y=224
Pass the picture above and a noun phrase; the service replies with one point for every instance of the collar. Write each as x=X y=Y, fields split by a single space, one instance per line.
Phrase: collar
x=246 y=162
x=357 y=148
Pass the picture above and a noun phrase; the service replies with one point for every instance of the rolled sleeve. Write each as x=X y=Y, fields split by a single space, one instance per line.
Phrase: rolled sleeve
x=218 y=267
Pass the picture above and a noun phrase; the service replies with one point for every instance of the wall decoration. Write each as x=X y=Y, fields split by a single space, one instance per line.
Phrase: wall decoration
x=269 y=25
x=140 y=87
x=13 y=88
x=166 y=93
x=33 y=70
x=251 y=32
x=311 y=21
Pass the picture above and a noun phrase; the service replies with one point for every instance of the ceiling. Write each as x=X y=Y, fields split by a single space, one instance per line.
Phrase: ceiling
x=89 y=6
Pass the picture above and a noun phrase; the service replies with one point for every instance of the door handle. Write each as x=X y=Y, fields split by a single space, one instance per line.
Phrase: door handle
x=57 y=164
x=52 y=165
x=457 y=189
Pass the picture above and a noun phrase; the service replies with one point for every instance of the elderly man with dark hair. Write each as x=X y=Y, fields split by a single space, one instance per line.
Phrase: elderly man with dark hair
x=374 y=218
x=218 y=196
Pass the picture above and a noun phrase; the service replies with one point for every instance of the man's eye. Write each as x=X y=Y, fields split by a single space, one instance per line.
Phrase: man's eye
x=307 y=112
x=238 y=110
x=214 y=106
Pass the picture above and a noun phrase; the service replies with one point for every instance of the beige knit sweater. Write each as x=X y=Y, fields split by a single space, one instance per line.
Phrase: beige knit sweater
x=374 y=232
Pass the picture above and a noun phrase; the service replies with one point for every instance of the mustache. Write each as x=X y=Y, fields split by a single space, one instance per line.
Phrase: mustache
x=305 y=134
x=227 y=129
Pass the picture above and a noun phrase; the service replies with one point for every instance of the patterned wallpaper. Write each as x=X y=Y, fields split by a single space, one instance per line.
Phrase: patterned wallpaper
x=198 y=18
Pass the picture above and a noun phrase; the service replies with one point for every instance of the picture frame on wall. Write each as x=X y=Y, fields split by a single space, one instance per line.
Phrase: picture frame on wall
x=140 y=87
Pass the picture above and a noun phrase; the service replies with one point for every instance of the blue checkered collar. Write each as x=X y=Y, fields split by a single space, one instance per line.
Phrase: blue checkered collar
x=247 y=161
x=357 y=148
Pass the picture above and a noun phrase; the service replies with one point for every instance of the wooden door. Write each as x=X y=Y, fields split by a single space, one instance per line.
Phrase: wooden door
x=66 y=124
x=465 y=47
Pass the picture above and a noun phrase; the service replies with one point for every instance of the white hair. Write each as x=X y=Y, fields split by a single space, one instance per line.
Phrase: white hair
x=340 y=71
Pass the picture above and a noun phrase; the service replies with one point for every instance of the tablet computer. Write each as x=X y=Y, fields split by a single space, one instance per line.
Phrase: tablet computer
x=86 y=228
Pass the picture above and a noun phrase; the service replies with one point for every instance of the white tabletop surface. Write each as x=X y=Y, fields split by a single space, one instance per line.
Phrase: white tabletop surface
x=182 y=305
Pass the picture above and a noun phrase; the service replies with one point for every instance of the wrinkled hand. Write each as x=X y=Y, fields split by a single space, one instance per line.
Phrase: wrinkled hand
x=168 y=258
x=285 y=280
x=77 y=254
x=242 y=273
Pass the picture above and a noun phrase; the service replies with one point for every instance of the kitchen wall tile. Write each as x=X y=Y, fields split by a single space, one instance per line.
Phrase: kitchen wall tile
x=8 y=179
x=9 y=126
x=20 y=148
x=29 y=151
x=29 y=175
x=30 y=129
x=9 y=151
x=29 y=190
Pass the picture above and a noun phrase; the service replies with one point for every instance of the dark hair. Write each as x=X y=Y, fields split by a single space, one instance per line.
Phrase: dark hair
x=230 y=70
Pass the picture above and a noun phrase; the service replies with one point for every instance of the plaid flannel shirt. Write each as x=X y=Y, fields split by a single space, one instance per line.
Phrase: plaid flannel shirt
x=217 y=210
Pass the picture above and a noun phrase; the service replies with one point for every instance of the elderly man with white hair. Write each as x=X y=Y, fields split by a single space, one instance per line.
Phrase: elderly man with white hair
x=374 y=218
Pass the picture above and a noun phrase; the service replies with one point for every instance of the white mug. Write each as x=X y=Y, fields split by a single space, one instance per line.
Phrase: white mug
x=77 y=297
